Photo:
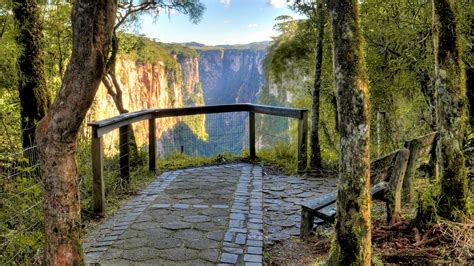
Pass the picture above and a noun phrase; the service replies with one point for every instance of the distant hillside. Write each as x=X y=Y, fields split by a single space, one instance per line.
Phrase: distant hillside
x=250 y=46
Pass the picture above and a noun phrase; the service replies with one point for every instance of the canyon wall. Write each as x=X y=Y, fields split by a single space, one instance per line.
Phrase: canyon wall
x=186 y=77
x=153 y=85
x=231 y=75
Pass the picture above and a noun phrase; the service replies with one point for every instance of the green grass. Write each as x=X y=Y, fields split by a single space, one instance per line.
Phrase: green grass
x=282 y=156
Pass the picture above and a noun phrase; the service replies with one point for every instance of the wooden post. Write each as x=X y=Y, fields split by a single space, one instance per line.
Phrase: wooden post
x=302 y=141
x=98 y=189
x=408 y=189
x=124 y=154
x=380 y=121
x=151 y=145
x=395 y=184
x=307 y=221
x=252 y=135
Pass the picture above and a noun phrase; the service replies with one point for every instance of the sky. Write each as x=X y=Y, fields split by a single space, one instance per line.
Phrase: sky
x=223 y=22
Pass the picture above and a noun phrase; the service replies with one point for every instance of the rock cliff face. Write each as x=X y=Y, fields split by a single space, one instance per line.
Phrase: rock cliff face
x=231 y=75
x=153 y=85
x=216 y=76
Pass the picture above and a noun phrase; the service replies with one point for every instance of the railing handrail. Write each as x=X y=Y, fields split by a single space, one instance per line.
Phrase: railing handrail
x=104 y=126
x=122 y=122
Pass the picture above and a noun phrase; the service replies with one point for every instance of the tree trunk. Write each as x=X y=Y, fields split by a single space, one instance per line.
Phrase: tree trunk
x=453 y=201
x=470 y=93
x=353 y=228
x=430 y=97
x=56 y=134
x=315 y=161
x=34 y=96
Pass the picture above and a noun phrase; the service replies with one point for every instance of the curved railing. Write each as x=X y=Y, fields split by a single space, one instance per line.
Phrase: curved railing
x=122 y=122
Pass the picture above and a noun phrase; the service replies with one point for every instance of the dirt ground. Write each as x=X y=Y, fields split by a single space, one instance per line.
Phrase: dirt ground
x=442 y=243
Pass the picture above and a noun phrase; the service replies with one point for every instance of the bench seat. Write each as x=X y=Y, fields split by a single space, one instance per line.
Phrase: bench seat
x=387 y=174
x=324 y=208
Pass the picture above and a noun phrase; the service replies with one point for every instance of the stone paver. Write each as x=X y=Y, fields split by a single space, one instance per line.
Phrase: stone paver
x=183 y=218
x=204 y=216
x=282 y=195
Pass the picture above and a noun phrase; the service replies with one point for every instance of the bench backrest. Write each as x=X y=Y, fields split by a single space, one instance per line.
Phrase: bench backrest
x=386 y=169
x=421 y=148
x=381 y=168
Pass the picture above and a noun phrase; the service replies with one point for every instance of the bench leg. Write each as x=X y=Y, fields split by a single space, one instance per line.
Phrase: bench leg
x=394 y=192
x=307 y=221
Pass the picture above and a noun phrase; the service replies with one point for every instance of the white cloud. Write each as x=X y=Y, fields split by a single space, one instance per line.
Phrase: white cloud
x=252 y=25
x=227 y=21
x=276 y=3
x=226 y=3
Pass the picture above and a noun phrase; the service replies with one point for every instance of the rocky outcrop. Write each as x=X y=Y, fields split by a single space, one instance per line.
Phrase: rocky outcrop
x=231 y=75
x=153 y=85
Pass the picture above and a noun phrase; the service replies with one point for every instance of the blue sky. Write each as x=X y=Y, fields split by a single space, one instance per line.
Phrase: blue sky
x=223 y=22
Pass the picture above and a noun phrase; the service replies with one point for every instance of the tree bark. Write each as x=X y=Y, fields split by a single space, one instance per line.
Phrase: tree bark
x=453 y=201
x=353 y=228
x=470 y=92
x=315 y=161
x=56 y=134
x=34 y=96
x=430 y=97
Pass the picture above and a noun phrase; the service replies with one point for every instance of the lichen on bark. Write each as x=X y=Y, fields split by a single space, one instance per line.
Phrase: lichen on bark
x=34 y=96
x=353 y=231
x=451 y=109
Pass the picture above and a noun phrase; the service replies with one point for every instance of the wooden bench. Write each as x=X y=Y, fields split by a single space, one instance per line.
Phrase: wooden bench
x=386 y=177
x=422 y=150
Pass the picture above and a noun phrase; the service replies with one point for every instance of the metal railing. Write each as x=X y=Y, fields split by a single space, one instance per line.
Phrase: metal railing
x=123 y=122
x=22 y=206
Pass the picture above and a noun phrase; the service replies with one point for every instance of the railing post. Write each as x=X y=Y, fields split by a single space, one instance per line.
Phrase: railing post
x=151 y=145
x=124 y=154
x=98 y=188
x=302 y=141
x=252 y=135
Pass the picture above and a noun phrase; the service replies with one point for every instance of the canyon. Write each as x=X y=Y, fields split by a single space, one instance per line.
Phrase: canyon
x=187 y=75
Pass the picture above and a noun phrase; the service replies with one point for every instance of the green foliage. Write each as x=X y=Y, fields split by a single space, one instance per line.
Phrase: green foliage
x=289 y=68
x=255 y=46
x=57 y=41
x=295 y=45
x=21 y=218
x=178 y=161
x=426 y=210
x=10 y=122
x=282 y=156
x=180 y=50
x=400 y=64
x=10 y=127
x=143 y=50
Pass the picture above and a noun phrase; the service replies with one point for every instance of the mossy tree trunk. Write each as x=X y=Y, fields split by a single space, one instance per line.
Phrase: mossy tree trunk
x=315 y=161
x=56 y=134
x=450 y=89
x=470 y=92
x=34 y=96
x=353 y=231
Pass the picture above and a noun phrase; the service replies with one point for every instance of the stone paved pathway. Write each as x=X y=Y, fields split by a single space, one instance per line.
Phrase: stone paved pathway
x=282 y=195
x=199 y=216
x=204 y=216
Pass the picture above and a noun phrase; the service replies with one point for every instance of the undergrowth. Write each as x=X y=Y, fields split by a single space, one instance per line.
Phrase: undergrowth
x=21 y=219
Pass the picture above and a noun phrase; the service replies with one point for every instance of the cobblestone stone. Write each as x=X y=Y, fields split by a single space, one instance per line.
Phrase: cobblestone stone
x=282 y=213
x=196 y=216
